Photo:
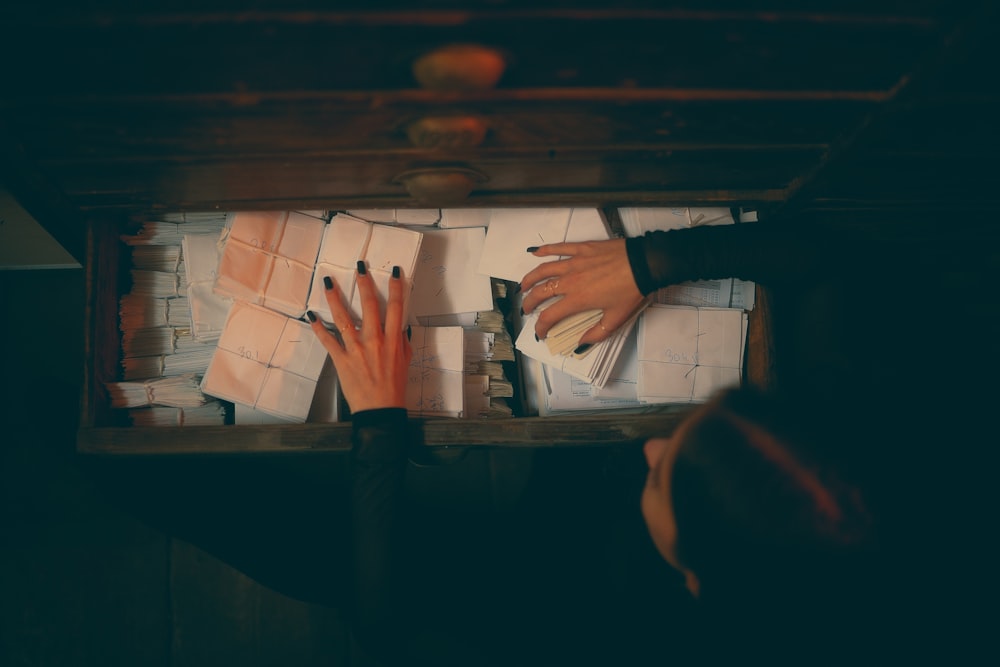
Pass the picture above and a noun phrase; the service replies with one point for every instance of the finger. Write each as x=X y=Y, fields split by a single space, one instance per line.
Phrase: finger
x=571 y=248
x=542 y=272
x=371 y=321
x=555 y=314
x=326 y=337
x=394 y=307
x=341 y=316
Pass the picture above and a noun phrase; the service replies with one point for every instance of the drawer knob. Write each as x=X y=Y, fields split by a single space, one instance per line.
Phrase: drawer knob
x=438 y=186
x=450 y=132
x=462 y=67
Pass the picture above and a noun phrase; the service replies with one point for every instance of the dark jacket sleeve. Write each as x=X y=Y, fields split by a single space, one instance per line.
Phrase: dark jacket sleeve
x=764 y=252
x=378 y=463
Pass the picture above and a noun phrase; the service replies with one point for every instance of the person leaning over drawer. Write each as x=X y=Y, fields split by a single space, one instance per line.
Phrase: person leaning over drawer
x=735 y=499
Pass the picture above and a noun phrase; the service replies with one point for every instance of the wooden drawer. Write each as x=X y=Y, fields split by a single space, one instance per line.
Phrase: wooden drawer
x=101 y=431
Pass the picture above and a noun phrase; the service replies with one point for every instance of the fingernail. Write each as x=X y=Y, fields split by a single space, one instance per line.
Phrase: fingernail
x=583 y=348
x=395 y=272
x=409 y=332
x=532 y=248
x=311 y=315
x=327 y=283
x=537 y=339
x=362 y=269
x=522 y=312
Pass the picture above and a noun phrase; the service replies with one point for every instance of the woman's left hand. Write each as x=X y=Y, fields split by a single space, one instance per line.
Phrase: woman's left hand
x=371 y=363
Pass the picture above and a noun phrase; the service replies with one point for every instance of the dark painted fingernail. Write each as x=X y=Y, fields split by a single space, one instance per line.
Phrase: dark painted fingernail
x=395 y=272
x=409 y=332
x=522 y=312
x=537 y=339
x=362 y=269
x=532 y=248
x=311 y=315
x=583 y=348
x=327 y=283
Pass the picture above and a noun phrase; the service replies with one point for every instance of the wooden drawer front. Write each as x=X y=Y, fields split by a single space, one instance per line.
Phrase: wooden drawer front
x=206 y=53
x=507 y=176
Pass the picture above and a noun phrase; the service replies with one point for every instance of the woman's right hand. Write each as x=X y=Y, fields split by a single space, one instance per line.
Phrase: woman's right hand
x=371 y=363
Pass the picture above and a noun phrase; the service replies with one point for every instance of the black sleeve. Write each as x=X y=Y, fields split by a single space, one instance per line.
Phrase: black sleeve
x=378 y=463
x=763 y=252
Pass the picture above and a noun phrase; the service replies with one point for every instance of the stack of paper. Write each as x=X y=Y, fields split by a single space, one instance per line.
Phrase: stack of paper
x=446 y=277
x=212 y=413
x=267 y=361
x=436 y=379
x=399 y=216
x=167 y=365
x=170 y=229
x=512 y=231
x=165 y=258
x=209 y=310
x=156 y=341
x=687 y=354
x=177 y=392
x=268 y=260
x=137 y=311
x=345 y=241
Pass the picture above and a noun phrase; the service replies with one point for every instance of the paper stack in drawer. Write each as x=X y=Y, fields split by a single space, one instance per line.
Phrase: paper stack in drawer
x=686 y=354
x=267 y=361
x=345 y=241
x=268 y=259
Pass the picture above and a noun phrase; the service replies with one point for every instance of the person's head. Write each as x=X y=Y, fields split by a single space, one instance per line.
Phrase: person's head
x=745 y=499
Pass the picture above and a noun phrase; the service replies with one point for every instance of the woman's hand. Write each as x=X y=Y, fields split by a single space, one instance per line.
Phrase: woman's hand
x=597 y=274
x=371 y=363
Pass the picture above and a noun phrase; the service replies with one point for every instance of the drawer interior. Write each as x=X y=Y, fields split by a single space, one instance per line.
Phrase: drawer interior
x=109 y=431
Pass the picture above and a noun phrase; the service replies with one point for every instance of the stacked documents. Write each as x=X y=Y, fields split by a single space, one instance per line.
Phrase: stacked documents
x=208 y=310
x=267 y=361
x=212 y=413
x=177 y=392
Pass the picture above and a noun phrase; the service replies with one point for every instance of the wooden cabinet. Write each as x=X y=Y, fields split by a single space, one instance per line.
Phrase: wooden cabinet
x=114 y=110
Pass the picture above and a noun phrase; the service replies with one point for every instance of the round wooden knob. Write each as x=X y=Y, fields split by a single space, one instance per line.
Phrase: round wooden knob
x=438 y=186
x=452 y=132
x=465 y=67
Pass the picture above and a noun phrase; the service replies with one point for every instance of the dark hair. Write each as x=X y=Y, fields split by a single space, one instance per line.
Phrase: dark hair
x=776 y=533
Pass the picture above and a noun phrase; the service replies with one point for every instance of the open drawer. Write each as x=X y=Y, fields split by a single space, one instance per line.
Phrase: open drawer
x=102 y=430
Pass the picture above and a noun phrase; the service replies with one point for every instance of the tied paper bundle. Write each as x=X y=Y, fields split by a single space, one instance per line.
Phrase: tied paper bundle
x=208 y=311
x=176 y=392
x=212 y=413
x=436 y=382
x=268 y=260
x=266 y=361
x=346 y=241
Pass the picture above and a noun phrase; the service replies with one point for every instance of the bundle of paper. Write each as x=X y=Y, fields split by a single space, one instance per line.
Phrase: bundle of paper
x=159 y=340
x=212 y=413
x=436 y=378
x=687 y=354
x=177 y=392
x=399 y=216
x=195 y=360
x=512 y=231
x=445 y=278
x=325 y=406
x=165 y=258
x=173 y=226
x=268 y=259
x=138 y=311
x=157 y=283
x=348 y=240
x=565 y=336
x=208 y=310
x=266 y=360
